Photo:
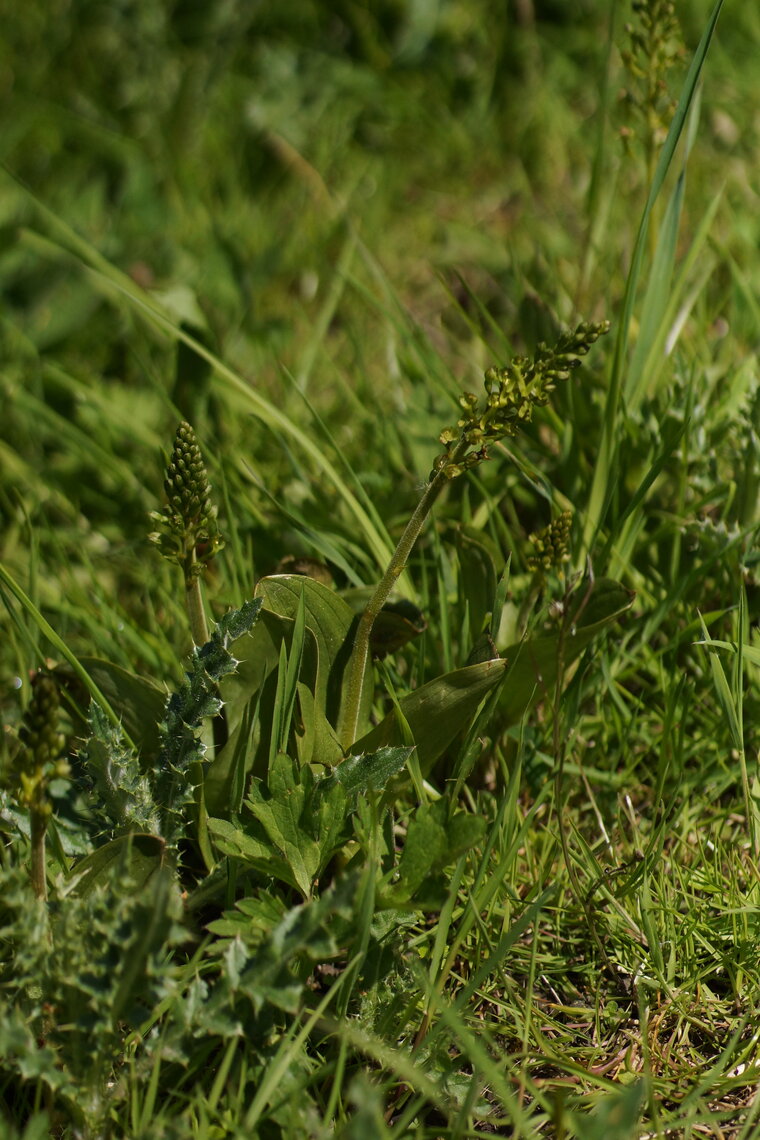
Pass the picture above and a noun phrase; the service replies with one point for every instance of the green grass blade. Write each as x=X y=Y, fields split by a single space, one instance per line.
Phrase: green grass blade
x=247 y=397
x=59 y=645
x=605 y=465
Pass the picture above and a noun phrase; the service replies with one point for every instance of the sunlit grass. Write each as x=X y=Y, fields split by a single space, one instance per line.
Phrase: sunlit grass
x=308 y=236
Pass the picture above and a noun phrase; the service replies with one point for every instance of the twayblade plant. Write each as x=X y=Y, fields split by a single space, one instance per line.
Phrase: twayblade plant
x=511 y=395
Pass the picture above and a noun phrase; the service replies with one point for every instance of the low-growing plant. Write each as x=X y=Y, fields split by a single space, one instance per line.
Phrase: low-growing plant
x=259 y=789
x=338 y=834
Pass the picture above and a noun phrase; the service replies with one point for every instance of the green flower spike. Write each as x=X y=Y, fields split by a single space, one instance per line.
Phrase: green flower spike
x=656 y=46
x=511 y=395
x=36 y=764
x=551 y=543
x=187 y=531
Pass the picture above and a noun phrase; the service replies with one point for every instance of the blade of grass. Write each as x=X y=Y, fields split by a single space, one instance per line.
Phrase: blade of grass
x=604 y=470
x=111 y=279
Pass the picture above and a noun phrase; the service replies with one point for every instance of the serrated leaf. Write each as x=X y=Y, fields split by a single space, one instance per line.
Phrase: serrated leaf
x=298 y=824
x=308 y=931
x=253 y=918
x=252 y=847
x=281 y=819
x=358 y=774
x=303 y=826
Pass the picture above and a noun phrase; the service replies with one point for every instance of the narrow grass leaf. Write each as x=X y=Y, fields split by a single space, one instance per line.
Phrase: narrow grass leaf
x=58 y=644
x=604 y=468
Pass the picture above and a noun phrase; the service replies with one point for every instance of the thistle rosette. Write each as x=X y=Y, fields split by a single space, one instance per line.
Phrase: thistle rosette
x=511 y=395
x=551 y=544
x=187 y=530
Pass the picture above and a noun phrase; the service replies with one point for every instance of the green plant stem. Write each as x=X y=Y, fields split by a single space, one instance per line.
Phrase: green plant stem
x=534 y=589
x=194 y=602
x=349 y=719
x=38 y=826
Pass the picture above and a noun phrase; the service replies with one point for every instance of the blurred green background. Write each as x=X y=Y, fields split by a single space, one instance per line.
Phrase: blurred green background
x=357 y=207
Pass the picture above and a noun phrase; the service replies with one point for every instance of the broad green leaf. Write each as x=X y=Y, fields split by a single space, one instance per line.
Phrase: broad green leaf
x=138 y=701
x=329 y=618
x=436 y=712
x=251 y=848
x=534 y=663
x=329 y=623
x=477 y=559
x=298 y=823
x=141 y=856
x=317 y=740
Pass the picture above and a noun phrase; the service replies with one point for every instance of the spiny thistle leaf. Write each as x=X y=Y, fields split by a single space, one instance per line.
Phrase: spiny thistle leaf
x=123 y=796
x=197 y=699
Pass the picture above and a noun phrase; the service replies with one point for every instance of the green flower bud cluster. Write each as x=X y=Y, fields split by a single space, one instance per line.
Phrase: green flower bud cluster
x=512 y=393
x=39 y=758
x=187 y=530
x=655 y=46
x=551 y=544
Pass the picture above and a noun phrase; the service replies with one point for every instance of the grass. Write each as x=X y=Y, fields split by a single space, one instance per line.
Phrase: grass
x=306 y=231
